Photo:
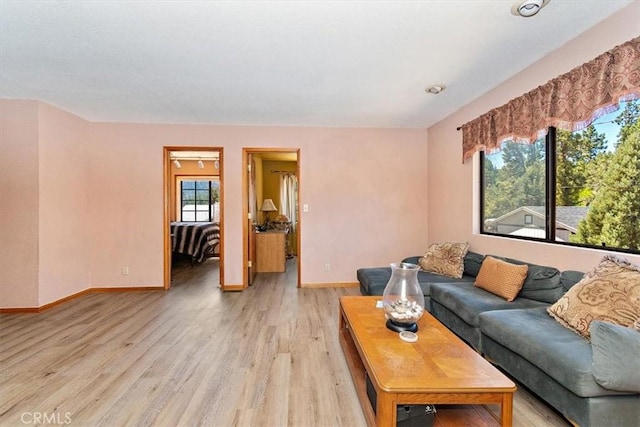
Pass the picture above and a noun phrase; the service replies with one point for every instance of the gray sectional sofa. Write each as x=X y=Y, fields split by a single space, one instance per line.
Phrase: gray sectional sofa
x=522 y=338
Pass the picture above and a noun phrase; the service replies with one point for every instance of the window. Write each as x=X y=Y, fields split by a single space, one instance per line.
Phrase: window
x=199 y=199
x=580 y=188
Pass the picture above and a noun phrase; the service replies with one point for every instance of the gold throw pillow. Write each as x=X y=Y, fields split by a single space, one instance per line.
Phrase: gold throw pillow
x=501 y=278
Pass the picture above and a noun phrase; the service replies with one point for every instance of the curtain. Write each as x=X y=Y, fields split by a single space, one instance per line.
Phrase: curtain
x=571 y=102
x=288 y=200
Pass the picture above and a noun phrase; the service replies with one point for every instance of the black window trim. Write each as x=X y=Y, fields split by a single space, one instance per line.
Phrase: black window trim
x=550 y=203
x=209 y=190
x=550 y=179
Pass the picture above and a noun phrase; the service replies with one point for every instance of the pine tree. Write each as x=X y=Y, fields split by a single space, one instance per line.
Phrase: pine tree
x=577 y=156
x=519 y=182
x=614 y=215
x=627 y=118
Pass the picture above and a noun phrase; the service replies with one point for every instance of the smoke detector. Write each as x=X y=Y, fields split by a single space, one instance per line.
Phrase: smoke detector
x=528 y=8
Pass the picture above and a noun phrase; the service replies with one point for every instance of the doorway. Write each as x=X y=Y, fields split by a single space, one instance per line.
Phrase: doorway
x=193 y=226
x=271 y=206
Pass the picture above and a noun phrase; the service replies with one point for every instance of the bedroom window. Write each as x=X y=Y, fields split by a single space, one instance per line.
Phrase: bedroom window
x=199 y=199
x=576 y=188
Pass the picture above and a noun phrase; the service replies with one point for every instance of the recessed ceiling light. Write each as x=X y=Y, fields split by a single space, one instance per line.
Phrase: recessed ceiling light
x=528 y=8
x=436 y=89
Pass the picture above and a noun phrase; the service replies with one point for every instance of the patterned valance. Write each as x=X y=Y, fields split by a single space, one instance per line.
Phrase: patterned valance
x=571 y=102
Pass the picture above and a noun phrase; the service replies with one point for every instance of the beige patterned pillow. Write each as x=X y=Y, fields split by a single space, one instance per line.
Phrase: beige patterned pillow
x=446 y=259
x=609 y=292
x=501 y=278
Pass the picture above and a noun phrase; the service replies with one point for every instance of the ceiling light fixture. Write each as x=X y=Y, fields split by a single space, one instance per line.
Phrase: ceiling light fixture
x=528 y=8
x=436 y=89
x=176 y=163
x=200 y=164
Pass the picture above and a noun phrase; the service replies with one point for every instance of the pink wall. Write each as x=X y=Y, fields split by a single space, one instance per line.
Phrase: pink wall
x=44 y=254
x=362 y=187
x=453 y=212
x=18 y=203
x=64 y=224
x=83 y=200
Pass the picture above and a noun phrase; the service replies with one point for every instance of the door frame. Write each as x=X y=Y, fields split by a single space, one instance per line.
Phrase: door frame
x=245 y=210
x=166 y=223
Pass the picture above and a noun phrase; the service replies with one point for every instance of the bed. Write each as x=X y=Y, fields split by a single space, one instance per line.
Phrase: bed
x=199 y=240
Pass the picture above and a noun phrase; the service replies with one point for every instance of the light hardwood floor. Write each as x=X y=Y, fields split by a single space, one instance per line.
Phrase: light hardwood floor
x=268 y=356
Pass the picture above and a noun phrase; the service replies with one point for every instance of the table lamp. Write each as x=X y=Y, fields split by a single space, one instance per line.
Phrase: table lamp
x=268 y=206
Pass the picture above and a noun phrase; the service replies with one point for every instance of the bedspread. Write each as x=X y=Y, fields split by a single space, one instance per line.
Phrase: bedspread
x=196 y=239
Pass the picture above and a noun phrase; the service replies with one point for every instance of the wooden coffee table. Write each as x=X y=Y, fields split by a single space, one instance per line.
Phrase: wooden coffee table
x=437 y=369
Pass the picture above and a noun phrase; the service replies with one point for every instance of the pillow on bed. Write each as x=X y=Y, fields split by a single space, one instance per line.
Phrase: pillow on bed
x=445 y=259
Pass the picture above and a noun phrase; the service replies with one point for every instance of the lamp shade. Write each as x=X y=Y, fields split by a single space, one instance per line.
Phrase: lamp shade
x=268 y=206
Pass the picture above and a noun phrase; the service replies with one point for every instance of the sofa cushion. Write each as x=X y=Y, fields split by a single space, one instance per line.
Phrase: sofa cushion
x=610 y=292
x=616 y=356
x=446 y=259
x=542 y=282
x=501 y=278
x=534 y=335
x=468 y=301
x=374 y=280
x=569 y=278
x=472 y=263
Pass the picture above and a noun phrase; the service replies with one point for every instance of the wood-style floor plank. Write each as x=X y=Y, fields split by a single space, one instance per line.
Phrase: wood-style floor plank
x=268 y=356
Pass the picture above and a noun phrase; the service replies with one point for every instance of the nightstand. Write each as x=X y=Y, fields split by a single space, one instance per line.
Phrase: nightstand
x=270 y=251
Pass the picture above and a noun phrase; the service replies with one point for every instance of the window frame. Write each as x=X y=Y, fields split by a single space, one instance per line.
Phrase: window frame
x=550 y=203
x=178 y=185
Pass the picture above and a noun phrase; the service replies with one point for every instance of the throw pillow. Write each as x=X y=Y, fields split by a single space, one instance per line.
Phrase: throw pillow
x=542 y=282
x=446 y=259
x=616 y=364
x=609 y=292
x=501 y=278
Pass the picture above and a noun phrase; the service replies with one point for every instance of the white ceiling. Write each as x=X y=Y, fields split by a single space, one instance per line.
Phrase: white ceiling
x=295 y=63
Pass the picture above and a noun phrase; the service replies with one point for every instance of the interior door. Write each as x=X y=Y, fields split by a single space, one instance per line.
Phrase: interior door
x=252 y=254
x=252 y=210
x=254 y=189
x=196 y=163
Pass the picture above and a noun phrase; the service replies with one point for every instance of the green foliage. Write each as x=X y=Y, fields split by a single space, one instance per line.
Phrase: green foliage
x=627 y=118
x=215 y=195
x=519 y=182
x=614 y=215
x=586 y=175
x=577 y=156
